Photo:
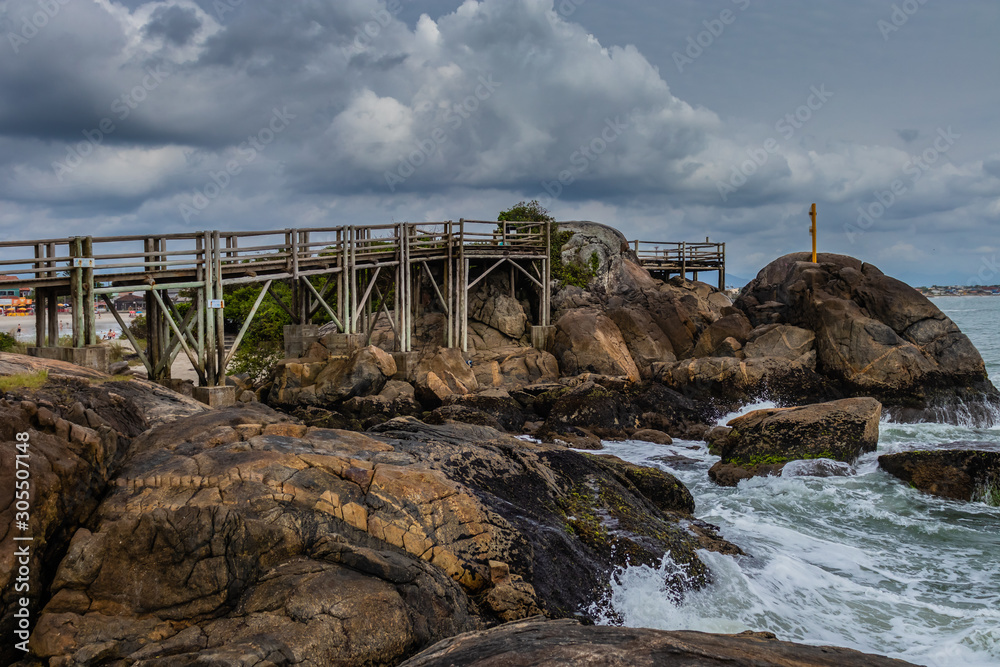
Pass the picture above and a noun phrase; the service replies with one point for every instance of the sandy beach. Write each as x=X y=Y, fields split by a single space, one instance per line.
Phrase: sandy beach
x=10 y=323
x=181 y=368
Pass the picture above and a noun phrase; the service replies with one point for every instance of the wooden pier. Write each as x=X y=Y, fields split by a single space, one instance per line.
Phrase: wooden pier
x=666 y=259
x=353 y=274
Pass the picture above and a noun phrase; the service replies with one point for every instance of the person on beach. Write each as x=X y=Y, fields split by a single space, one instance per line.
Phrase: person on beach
x=18 y=330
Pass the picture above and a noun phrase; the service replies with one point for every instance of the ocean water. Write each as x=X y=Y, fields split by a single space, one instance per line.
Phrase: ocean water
x=861 y=561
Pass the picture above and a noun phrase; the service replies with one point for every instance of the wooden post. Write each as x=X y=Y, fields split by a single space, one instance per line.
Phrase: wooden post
x=41 y=301
x=812 y=214
x=449 y=283
x=53 y=299
x=76 y=293
x=211 y=365
x=90 y=324
x=463 y=319
x=684 y=260
x=722 y=269
x=219 y=319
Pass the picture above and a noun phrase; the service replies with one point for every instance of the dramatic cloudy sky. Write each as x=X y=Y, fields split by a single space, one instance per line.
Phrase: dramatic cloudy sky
x=673 y=120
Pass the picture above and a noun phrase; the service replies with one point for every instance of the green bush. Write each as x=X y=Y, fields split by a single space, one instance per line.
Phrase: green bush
x=137 y=327
x=567 y=274
x=7 y=342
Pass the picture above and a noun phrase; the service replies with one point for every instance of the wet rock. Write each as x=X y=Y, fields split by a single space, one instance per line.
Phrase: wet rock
x=497 y=403
x=818 y=468
x=592 y=406
x=652 y=435
x=548 y=643
x=464 y=414
x=762 y=441
x=959 y=474
x=239 y=534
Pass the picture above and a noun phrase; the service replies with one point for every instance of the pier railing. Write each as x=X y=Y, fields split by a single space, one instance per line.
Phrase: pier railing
x=668 y=258
x=365 y=267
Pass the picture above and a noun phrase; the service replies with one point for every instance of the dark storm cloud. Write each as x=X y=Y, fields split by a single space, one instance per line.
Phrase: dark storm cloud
x=392 y=114
x=173 y=23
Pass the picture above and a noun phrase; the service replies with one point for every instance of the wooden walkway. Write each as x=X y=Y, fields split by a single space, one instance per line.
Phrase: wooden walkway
x=354 y=274
x=665 y=259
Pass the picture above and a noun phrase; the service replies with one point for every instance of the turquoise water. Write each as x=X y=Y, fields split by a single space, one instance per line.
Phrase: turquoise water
x=862 y=561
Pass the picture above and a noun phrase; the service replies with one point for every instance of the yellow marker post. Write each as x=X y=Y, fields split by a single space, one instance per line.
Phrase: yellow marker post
x=812 y=214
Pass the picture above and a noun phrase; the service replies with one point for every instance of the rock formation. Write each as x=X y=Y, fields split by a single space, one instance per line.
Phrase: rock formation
x=959 y=474
x=763 y=441
x=241 y=534
x=541 y=643
x=874 y=336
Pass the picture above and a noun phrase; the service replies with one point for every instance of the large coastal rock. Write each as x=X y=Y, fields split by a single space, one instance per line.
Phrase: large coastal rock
x=589 y=342
x=658 y=322
x=239 y=535
x=762 y=441
x=959 y=474
x=541 y=643
x=79 y=424
x=874 y=336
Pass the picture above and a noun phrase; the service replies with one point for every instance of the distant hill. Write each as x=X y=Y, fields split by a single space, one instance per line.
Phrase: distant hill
x=736 y=281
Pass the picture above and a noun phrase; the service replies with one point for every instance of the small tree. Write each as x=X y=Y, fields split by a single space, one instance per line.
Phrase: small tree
x=526 y=212
x=568 y=274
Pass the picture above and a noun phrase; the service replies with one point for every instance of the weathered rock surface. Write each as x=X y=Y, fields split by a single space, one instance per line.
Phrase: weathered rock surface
x=658 y=322
x=652 y=435
x=781 y=341
x=241 y=535
x=728 y=382
x=875 y=336
x=959 y=474
x=543 y=643
x=79 y=425
x=762 y=441
x=329 y=381
x=589 y=342
x=441 y=374
x=493 y=306
x=512 y=368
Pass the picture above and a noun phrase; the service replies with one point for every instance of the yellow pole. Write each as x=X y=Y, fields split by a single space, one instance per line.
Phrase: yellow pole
x=812 y=214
